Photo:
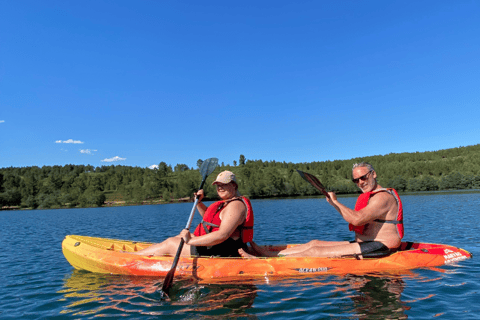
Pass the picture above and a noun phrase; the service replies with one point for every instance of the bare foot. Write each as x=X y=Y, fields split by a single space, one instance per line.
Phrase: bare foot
x=245 y=254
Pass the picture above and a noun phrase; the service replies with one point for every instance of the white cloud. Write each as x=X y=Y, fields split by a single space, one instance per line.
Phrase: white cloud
x=153 y=166
x=70 y=141
x=87 y=151
x=2 y=121
x=116 y=158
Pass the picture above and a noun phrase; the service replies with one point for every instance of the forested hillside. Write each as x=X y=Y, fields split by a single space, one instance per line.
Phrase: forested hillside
x=85 y=186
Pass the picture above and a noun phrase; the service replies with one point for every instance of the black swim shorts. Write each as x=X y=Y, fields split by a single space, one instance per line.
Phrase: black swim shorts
x=368 y=247
x=228 y=248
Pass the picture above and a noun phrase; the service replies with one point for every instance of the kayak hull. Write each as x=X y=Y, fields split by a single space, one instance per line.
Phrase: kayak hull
x=102 y=255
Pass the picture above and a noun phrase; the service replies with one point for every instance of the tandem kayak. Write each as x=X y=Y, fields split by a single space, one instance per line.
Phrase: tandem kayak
x=111 y=256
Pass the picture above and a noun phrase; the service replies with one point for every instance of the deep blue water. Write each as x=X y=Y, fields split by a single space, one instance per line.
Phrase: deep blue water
x=36 y=282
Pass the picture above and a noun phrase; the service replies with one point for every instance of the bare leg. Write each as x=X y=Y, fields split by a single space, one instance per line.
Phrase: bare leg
x=262 y=251
x=302 y=250
x=327 y=251
x=167 y=247
x=312 y=244
x=258 y=252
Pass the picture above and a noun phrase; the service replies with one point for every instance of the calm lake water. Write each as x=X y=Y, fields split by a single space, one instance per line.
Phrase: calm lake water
x=38 y=283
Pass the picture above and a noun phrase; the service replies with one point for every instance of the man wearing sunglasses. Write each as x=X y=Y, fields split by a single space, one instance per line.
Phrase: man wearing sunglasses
x=377 y=220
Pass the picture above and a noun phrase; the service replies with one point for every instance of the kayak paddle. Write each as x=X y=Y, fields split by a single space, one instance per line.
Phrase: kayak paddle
x=314 y=182
x=206 y=168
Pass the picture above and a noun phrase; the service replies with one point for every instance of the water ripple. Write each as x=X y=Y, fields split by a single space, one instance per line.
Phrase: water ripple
x=38 y=283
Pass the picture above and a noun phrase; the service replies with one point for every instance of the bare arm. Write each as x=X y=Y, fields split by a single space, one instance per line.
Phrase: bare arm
x=377 y=207
x=232 y=216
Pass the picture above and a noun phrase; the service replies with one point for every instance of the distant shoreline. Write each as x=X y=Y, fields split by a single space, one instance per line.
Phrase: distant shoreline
x=186 y=200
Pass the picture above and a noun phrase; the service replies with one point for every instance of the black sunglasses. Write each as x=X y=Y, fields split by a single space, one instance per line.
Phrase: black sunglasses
x=363 y=178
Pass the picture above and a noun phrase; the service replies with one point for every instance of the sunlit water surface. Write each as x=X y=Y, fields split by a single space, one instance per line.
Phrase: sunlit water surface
x=38 y=283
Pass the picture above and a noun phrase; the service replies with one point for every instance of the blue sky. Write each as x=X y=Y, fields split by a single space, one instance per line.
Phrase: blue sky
x=140 y=82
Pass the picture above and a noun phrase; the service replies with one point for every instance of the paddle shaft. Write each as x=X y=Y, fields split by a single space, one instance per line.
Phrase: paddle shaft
x=189 y=222
x=182 y=242
x=167 y=283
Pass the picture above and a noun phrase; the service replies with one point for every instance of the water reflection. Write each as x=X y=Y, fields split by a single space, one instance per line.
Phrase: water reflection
x=371 y=296
x=86 y=293
x=378 y=297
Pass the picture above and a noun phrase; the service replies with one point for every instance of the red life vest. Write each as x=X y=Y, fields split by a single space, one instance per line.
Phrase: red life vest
x=362 y=202
x=211 y=220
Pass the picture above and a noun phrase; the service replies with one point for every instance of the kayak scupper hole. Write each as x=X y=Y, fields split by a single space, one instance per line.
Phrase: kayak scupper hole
x=76 y=244
x=424 y=250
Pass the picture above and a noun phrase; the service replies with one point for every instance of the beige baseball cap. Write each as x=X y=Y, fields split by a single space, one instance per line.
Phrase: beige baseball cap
x=225 y=177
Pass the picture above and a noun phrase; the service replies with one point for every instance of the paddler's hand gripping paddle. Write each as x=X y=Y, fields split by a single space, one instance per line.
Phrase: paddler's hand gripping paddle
x=206 y=168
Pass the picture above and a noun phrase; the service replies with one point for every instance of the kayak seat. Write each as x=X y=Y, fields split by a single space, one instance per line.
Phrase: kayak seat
x=385 y=253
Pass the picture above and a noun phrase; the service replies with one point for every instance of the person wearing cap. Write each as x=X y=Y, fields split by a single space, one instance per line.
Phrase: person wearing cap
x=227 y=225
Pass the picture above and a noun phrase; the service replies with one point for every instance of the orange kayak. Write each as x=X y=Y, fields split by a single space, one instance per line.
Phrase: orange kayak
x=111 y=256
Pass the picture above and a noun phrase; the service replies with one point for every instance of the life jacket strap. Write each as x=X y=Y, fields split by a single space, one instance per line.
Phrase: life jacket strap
x=206 y=224
x=389 y=221
x=398 y=202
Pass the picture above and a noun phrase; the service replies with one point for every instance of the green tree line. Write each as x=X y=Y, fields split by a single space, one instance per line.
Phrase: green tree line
x=87 y=186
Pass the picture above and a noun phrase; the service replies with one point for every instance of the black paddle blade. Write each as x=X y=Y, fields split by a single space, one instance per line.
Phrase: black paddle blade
x=167 y=283
x=208 y=166
x=314 y=182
